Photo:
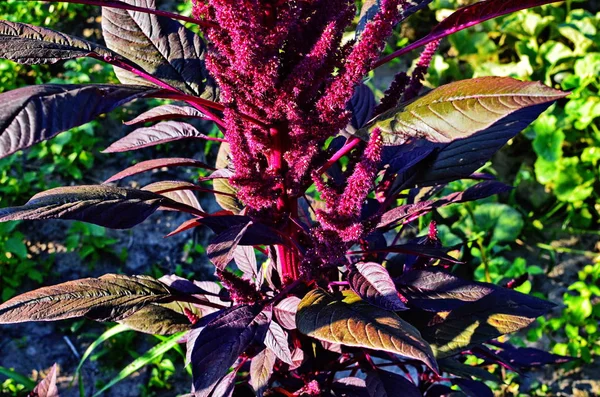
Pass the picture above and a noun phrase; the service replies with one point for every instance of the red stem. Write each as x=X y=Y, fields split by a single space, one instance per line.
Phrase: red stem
x=350 y=144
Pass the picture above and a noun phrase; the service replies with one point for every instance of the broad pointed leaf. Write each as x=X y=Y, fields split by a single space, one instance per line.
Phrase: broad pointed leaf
x=261 y=369
x=180 y=192
x=161 y=46
x=157 y=319
x=28 y=44
x=285 y=312
x=215 y=347
x=221 y=249
x=37 y=113
x=111 y=297
x=466 y=17
x=474 y=388
x=149 y=165
x=460 y=109
x=439 y=291
x=528 y=357
x=353 y=322
x=500 y=312
x=245 y=259
x=47 y=387
x=373 y=283
x=108 y=206
x=225 y=387
x=165 y=132
x=387 y=384
x=166 y=112
x=230 y=203
x=361 y=105
x=277 y=341
x=257 y=233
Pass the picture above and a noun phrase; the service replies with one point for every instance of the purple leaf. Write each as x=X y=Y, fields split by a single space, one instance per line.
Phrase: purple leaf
x=350 y=387
x=410 y=212
x=160 y=46
x=166 y=112
x=438 y=390
x=215 y=347
x=225 y=387
x=438 y=291
x=221 y=249
x=111 y=297
x=387 y=384
x=108 y=206
x=159 y=319
x=257 y=233
x=473 y=388
x=167 y=131
x=33 y=45
x=361 y=106
x=261 y=369
x=277 y=341
x=420 y=250
x=47 y=387
x=373 y=283
x=465 y=18
x=157 y=163
x=457 y=368
x=245 y=259
x=285 y=312
x=176 y=191
x=37 y=113
x=370 y=9
x=528 y=357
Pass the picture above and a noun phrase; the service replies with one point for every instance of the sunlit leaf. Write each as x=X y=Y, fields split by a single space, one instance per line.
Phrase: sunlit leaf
x=47 y=387
x=222 y=247
x=230 y=203
x=109 y=206
x=261 y=369
x=245 y=259
x=111 y=297
x=158 y=319
x=149 y=165
x=39 y=112
x=177 y=191
x=350 y=387
x=353 y=322
x=285 y=312
x=373 y=283
x=161 y=46
x=276 y=340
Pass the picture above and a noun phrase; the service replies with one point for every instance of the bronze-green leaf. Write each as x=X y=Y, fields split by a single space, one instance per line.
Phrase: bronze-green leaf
x=353 y=322
x=158 y=319
x=111 y=297
x=460 y=109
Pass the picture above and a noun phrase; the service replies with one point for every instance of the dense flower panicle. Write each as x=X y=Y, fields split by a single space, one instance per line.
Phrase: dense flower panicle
x=418 y=75
x=240 y=290
x=393 y=94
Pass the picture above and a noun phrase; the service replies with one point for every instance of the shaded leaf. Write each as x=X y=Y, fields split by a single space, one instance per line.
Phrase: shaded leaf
x=350 y=387
x=460 y=109
x=164 y=132
x=32 y=45
x=256 y=234
x=276 y=340
x=373 y=283
x=215 y=347
x=457 y=368
x=420 y=250
x=473 y=388
x=108 y=206
x=161 y=46
x=157 y=319
x=37 y=113
x=361 y=106
x=149 y=165
x=261 y=369
x=111 y=297
x=353 y=322
x=47 y=387
x=285 y=312
x=528 y=357
x=439 y=291
x=225 y=386
x=221 y=249
x=387 y=384
x=501 y=312
x=166 y=112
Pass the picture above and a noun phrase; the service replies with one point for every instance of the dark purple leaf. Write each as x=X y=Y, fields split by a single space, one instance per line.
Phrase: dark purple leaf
x=285 y=312
x=457 y=368
x=528 y=357
x=438 y=390
x=111 y=297
x=410 y=212
x=47 y=387
x=473 y=388
x=500 y=312
x=277 y=341
x=350 y=387
x=32 y=45
x=216 y=346
x=157 y=163
x=108 y=206
x=261 y=370
x=387 y=384
x=160 y=46
x=37 y=113
x=221 y=248
x=420 y=250
x=438 y=291
x=166 y=112
x=465 y=18
x=164 y=132
x=225 y=386
x=245 y=259
x=257 y=233
x=361 y=106
x=373 y=283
